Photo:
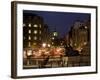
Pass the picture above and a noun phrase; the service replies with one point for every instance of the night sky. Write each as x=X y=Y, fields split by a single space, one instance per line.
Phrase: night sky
x=61 y=21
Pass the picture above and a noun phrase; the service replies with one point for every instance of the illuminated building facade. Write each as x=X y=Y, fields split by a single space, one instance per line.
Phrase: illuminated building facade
x=45 y=34
x=54 y=38
x=34 y=30
x=79 y=35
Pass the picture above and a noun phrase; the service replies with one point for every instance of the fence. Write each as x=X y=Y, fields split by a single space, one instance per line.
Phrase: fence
x=52 y=62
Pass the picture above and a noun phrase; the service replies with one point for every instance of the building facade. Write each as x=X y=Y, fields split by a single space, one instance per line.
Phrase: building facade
x=54 y=38
x=79 y=35
x=34 y=30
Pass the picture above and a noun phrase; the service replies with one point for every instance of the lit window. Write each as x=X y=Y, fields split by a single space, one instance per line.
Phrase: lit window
x=52 y=43
x=61 y=43
x=35 y=25
x=40 y=25
x=24 y=25
x=75 y=44
x=29 y=38
x=35 y=31
x=24 y=54
x=34 y=43
x=85 y=27
x=29 y=24
x=55 y=34
x=85 y=43
x=29 y=44
x=53 y=38
x=35 y=38
x=29 y=31
x=40 y=32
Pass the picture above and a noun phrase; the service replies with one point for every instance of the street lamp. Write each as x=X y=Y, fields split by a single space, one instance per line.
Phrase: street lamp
x=29 y=54
x=44 y=45
x=49 y=45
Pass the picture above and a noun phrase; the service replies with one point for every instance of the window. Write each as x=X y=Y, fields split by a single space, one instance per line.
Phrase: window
x=29 y=44
x=24 y=38
x=29 y=38
x=55 y=34
x=29 y=24
x=40 y=25
x=85 y=27
x=29 y=31
x=24 y=52
x=53 y=38
x=34 y=43
x=85 y=43
x=35 y=25
x=39 y=32
x=75 y=44
x=52 y=43
x=24 y=25
x=35 y=31
x=35 y=38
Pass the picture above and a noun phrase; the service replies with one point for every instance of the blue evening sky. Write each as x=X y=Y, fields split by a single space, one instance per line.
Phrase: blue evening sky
x=61 y=21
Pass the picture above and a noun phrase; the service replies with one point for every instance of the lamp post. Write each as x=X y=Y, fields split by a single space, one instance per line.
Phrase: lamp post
x=29 y=54
x=44 y=45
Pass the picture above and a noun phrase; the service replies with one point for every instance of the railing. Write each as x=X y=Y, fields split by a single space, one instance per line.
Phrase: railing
x=83 y=60
x=52 y=62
